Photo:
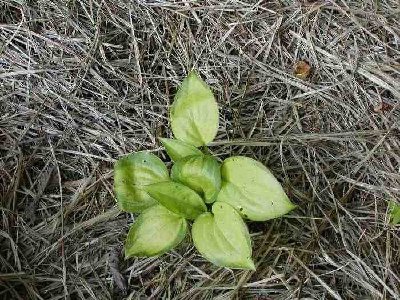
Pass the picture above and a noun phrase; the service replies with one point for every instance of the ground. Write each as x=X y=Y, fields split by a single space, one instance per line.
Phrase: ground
x=84 y=82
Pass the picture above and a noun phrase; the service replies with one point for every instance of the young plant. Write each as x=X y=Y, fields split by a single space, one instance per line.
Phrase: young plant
x=217 y=197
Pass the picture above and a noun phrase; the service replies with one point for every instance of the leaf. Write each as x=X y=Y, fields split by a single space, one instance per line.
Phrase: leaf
x=394 y=213
x=177 y=149
x=156 y=231
x=232 y=225
x=302 y=69
x=223 y=238
x=201 y=173
x=252 y=189
x=178 y=198
x=194 y=113
x=131 y=174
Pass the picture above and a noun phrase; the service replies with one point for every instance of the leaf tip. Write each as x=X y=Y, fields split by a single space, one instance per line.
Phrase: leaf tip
x=292 y=206
x=127 y=255
x=250 y=265
x=193 y=73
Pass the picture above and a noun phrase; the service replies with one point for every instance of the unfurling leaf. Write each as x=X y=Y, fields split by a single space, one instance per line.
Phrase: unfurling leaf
x=201 y=173
x=156 y=231
x=222 y=238
x=252 y=189
x=131 y=174
x=177 y=149
x=394 y=213
x=194 y=113
x=178 y=198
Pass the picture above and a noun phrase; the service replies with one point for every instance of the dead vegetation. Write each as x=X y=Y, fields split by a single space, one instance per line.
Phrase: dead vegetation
x=84 y=82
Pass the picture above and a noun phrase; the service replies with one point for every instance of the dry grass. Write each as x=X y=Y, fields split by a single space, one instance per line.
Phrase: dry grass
x=85 y=81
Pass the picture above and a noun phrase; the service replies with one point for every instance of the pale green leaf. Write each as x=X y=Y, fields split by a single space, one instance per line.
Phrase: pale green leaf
x=223 y=238
x=201 y=173
x=232 y=225
x=156 y=231
x=177 y=149
x=394 y=213
x=252 y=189
x=131 y=174
x=178 y=198
x=194 y=113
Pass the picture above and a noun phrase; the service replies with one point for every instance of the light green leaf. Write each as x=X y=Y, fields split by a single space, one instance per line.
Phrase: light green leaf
x=252 y=189
x=131 y=174
x=194 y=113
x=223 y=238
x=201 y=173
x=177 y=149
x=156 y=231
x=230 y=222
x=394 y=213
x=178 y=198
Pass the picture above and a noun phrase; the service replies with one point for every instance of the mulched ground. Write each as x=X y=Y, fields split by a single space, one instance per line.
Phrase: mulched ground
x=84 y=82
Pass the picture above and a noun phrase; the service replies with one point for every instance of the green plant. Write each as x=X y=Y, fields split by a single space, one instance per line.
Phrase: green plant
x=216 y=196
x=394 y=213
